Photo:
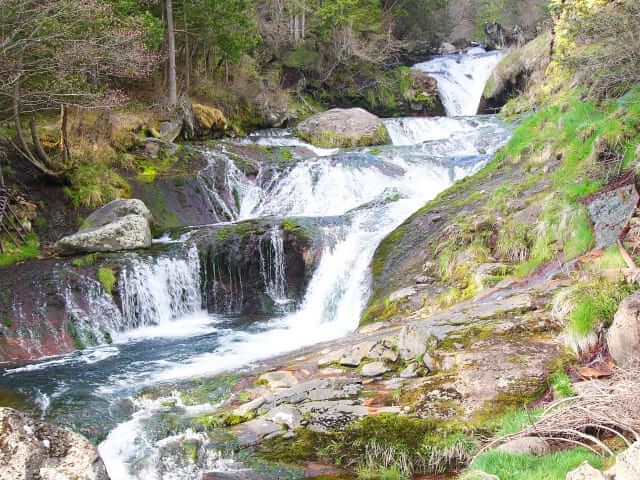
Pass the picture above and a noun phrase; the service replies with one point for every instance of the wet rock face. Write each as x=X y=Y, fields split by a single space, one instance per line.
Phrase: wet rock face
x=119 y=225
x=353 y=127
x=257 y=267
x=33 y=450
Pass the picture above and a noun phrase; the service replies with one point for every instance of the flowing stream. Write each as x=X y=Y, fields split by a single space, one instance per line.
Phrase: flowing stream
x=169 y=337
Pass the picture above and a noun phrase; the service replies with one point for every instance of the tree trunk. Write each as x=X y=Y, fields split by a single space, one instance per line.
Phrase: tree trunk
x=64 y=134
x=171 y=42
x=35 y=138
x=187 y=55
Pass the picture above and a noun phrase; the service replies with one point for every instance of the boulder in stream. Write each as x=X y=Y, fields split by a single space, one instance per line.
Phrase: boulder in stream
x=31 y=449
x=119 y=225
x=338 y=127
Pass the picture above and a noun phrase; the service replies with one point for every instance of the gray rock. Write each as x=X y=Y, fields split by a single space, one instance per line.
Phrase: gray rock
x=526 y=445
x=585 y=472
x=127 y=233
x=330 y=357
x=402 y=293
x=357 y=353
x=383 y=351
x=119 y=225
x=623 y=337
x=412 y=341
x=343 y=128
x=285 y=415
x=610 y=211
x=447 y=48
x=253 y=431
x=32 y=449
x=627 y=465
x=326 y=416
x=321 y=389
x=374 y=369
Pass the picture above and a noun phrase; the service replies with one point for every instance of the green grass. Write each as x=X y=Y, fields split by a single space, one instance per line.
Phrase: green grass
x=561 y=385
x=107 y=278
x=389 y=473
x=86 y=261
x=516 y=419
x=554 y=466
x=24 y=251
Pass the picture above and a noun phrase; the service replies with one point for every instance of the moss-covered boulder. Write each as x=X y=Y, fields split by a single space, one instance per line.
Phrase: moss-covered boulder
x=514 y=72
x=336 y=128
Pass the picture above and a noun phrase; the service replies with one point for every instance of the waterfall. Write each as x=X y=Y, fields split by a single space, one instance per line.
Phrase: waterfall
x=156 y=291
x=461 y=78
x=272 y=266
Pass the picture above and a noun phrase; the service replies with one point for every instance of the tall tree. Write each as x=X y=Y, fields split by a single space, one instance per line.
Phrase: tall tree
x=60 y=53
x=171 y=46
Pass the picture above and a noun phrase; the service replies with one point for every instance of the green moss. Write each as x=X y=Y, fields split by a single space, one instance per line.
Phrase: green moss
x=329 y=139
x=107 y=278
x=30 y=248
x=529 y=467
x=86 y=261
x=213 y=390
x=95 y=184
x=220 y=420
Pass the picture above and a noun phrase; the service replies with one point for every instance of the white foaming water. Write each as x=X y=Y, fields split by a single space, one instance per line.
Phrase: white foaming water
x=273 y=268
x=461 y=78
x=157 y=291
x=339 y=288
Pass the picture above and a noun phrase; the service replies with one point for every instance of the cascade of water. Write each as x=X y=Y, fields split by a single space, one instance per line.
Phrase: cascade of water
x=461 y=78
x=272 y=266
x=155 y=291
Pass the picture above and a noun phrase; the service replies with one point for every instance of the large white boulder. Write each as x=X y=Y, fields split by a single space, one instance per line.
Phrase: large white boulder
x=338 y=127
x=119 y=225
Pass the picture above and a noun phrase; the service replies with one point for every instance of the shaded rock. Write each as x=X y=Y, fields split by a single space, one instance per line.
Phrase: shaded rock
x=30 y=449
x=623 y=337
x=412 y=341
x=278 y=380
x=526 y=445
x=627 y=465
x=610 y=210
x=357 y=354
x=319 y=390
x=285 y=415
x=585 y=472
x=253 y=431
x=429 y=362
x=249 y=407
x=447 y=48
x=402 y=294
x=353 y=127
x=374 y=369
x=153 y=147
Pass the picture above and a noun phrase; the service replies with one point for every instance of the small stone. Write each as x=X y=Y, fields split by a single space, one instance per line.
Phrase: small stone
x=411 y=371
x=429 y=362
x=374 y=369
x=383 y=351
x=330 y=357
x=357 y=354
x=285 y=415
x=526 y=445
x=585 y=472
x=278 y=380
x=412 y=342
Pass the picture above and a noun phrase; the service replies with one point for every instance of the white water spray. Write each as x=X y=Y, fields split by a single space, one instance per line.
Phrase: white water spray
x=461 y=78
